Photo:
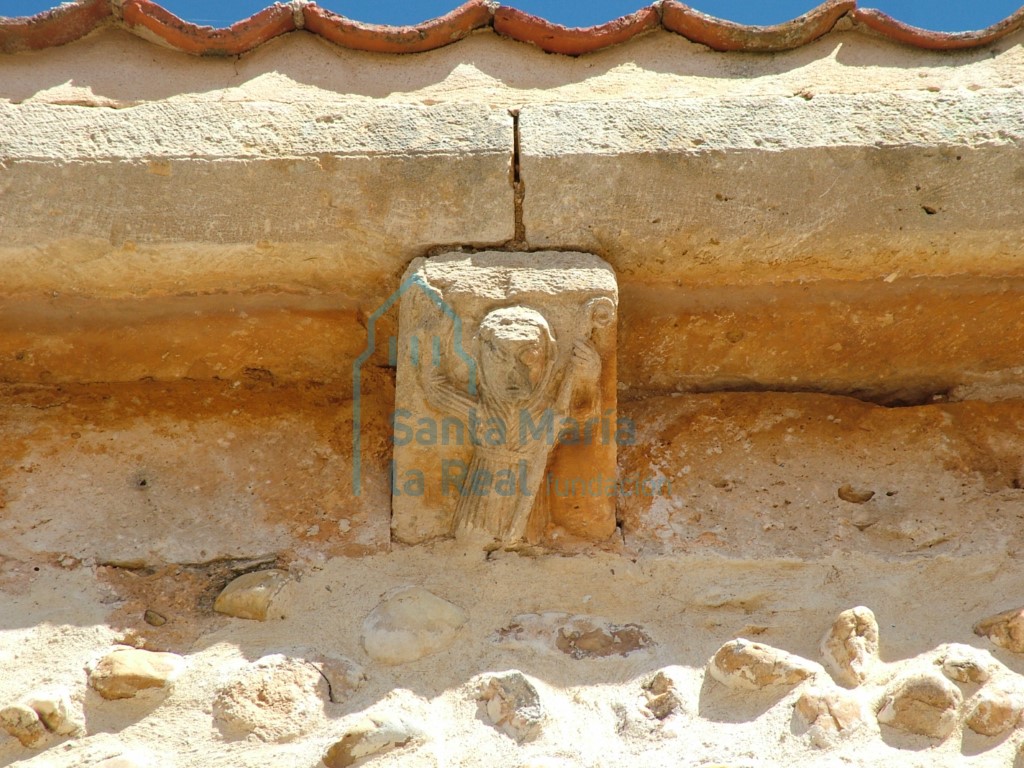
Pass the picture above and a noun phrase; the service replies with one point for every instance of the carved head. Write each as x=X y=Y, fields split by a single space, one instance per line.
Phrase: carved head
x=517 y=350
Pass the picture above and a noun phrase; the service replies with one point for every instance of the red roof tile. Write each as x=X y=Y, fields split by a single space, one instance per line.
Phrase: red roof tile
x=240 y=37
x=49 y=28
x=724 y=35
x=938 y=41
x=555 y=38
x=148 y=19
x=412 y=39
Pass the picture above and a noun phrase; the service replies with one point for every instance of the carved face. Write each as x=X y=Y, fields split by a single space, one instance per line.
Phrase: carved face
x=516 y=349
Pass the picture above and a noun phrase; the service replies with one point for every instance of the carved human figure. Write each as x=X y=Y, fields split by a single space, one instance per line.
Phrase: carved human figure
x=521 y=379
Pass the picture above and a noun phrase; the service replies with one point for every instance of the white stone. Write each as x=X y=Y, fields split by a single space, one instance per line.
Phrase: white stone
x=410 y=623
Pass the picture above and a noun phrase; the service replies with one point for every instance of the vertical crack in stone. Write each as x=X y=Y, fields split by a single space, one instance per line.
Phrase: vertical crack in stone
x=518 y=186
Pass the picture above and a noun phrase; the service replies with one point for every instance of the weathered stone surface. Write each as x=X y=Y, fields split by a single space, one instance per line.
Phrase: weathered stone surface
x=250 y=595
x=506 y=398
x=344 y=676
x=151 y=168
x=662 y=695
x=512 y=705
x=1005 y=629
x=965 y=664
x=35 y=716
x=711 y=161
x=372 y=735
x=743 y=665
x=826 y=712
x=850 y=647
x=994 y=709
x=924 y=703
x=577 y=636
x=742 y=471
x=125 y=672
x=23 y=723
x=410 y=623
x=134 y=471
x=275 y=698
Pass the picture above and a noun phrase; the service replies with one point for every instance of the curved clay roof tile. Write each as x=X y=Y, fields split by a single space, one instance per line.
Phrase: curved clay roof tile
x=722 y=35
x=937 y=41
x=144 y=16
x=61 y=25
x=411 y=39
x=554 y=38
x=147 y=19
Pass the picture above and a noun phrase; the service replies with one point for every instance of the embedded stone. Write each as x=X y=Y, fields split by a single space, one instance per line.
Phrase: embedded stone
x=994 y=710
x=123 y=673
x=512 y=704
x=743 y=665
x=924 y=703
x=372 y=735
x=850 y=647
x=577 y=636
x=965 y=664
x=1005 y=629
x=343 y=676
x=508 y=362
x=23 y=723
x=250 y=595
x=826 y=712
x=410 y=623
x=662 y=697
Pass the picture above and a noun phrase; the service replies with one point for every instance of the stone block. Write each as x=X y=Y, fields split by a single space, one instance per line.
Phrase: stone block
x=505 y=408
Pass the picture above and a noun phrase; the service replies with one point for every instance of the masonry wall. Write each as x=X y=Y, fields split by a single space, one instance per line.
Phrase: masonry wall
x=190 y=250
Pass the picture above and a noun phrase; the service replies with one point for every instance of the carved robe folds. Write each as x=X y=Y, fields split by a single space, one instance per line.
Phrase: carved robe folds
x=505 y=423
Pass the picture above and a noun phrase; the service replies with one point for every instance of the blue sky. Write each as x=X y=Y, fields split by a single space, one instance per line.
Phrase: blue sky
x=944 y=15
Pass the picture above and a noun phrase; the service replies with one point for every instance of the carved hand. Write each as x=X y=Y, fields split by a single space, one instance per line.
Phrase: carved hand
x=586 y=361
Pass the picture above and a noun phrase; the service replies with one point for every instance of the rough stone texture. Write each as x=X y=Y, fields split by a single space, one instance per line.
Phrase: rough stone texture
x=410 y=623
x=250 y=595
x=710 y=171
x=244 y=468
x=344 y=676
x=512 y=704
x=153 y=167
x=275 y=698
x=33 y=718
x=125 y=672
x=1005 y=629
x=850 y=647
x=518 y=352
x=372 y=735
x=23 y=723
x=994 y=709
x=662 y=695
x=743 y=665
x=826 y=712
x=923 y=703
x=744 y=471
x=577 y=636
x=965 y=664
